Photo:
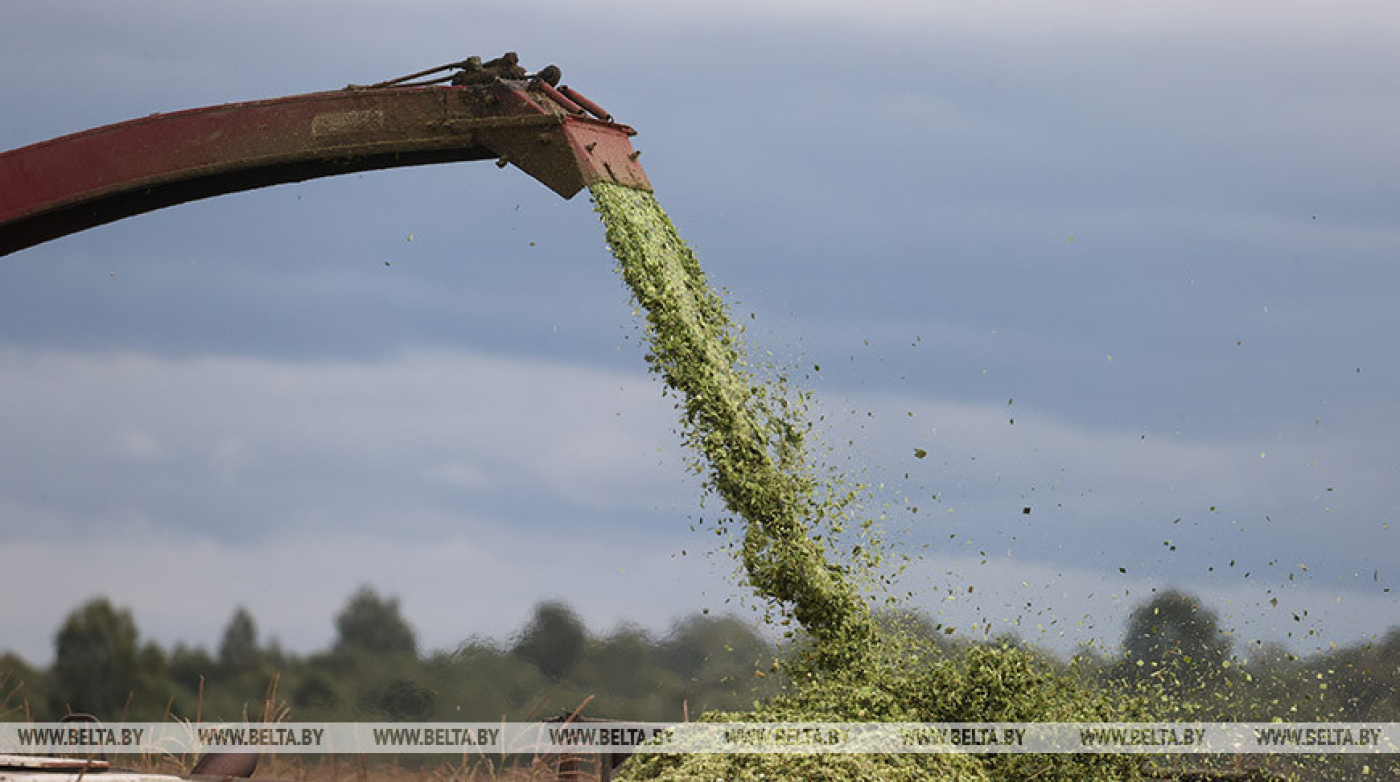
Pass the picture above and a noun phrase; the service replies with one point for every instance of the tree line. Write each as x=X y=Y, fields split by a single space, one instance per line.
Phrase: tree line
x=1174 y=654
x=375 y=670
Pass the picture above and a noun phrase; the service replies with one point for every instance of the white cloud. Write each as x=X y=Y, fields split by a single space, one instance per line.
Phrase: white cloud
x=482 y=581
x=1017 y=446
x=1162 y=505
x=140 y=444
x=462 y=474
x=1060 y=608
x=1251 y=19
x=322 y=438
x=330 y=474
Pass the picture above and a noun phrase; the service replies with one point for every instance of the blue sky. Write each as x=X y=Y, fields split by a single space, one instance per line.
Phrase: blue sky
x=1133 y=268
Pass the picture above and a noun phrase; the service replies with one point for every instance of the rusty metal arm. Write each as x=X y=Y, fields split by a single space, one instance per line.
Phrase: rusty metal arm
x=74 y=182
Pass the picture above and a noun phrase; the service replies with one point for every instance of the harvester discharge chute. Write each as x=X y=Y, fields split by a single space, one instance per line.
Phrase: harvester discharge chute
x=467 y=110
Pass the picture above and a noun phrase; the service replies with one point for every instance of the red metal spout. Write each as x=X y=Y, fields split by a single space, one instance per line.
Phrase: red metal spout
x=68 y=184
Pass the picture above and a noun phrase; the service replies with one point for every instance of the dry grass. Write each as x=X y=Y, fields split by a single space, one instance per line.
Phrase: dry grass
x=12 y=703
x=345 y=768
x=366 y=768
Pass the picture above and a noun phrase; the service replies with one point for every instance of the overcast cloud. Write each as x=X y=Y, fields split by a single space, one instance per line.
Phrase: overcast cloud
x=1130 y=267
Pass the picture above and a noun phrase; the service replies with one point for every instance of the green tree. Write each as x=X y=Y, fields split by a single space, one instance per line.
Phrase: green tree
x=624 y=668
x=1387 y=666
x=97 y=661
x=1364 y=680
x=702 y=647
x=553 y=640
x=189 y=664
x=20 y=685
x=480 y=682
x=318 y=691
x=1175 y=641
x=406 y=699
x=372 y=624
x=238 y=651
